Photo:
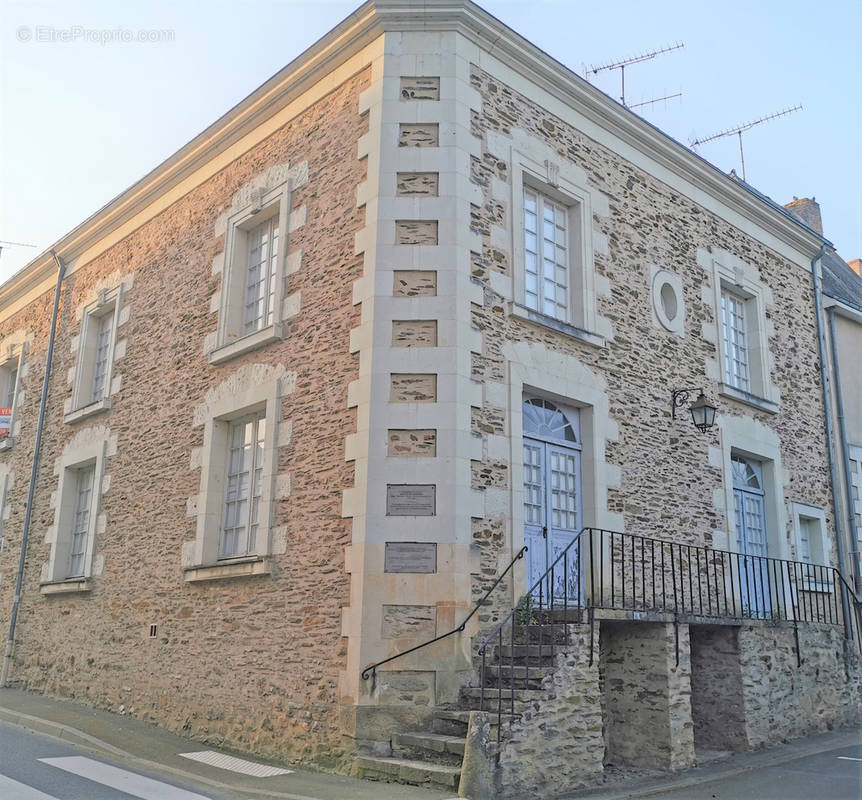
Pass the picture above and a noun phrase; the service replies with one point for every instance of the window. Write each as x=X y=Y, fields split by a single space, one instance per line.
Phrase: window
x=77 y=516
x=809 y=524
x=734 y=341
x=238 y=487
x=253 y=274
x=244 y=487
x=743 y=361
x=553 y=282
x=9 y=379
x=96 y=350
x=80 y=520
x=546 y=255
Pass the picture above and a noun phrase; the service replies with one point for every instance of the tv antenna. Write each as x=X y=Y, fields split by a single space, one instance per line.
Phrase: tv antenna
x=4 y=243
x=621 y=66
x=656 y=100
x=742 y=129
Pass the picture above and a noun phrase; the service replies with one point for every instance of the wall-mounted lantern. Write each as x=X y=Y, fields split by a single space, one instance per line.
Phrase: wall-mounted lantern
x=702 y=411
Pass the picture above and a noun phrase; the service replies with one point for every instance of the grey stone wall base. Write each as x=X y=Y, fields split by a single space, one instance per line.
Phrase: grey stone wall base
x=479 y=768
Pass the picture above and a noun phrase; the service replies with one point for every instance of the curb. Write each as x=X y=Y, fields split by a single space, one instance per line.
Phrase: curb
x=68 y=734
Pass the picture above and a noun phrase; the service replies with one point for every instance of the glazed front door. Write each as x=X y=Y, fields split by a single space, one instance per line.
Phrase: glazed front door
x=750 y=522
x=552 y=501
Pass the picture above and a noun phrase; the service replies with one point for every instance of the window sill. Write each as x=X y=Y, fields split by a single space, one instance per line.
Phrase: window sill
x=68 y=586
x=88 y=411
x=6 y=443
x=522 y=312
x=224 y=570
x=749 y=399
x=246 y=344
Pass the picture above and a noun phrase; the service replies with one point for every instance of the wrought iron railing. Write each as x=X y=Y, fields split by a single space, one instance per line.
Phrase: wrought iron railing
x=646 y=578
x=371 y=670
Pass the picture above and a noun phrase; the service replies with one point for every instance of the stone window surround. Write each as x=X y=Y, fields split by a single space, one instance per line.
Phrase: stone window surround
x=565 y=184
x=731 y=274
x=6 y=483
x=12 y=358
x=748 y=438
x=202 y=562
x=798 y=512
x=90 y=447
x=108 y=301
x=659 y=280
x=538 y=372
x=263 y=203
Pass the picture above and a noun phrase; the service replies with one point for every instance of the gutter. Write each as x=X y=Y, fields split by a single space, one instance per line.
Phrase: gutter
x=22 y=559
x=824 y=380
x=842 y=431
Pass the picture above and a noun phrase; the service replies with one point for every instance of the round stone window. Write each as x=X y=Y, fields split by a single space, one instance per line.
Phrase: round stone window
x=667 y=301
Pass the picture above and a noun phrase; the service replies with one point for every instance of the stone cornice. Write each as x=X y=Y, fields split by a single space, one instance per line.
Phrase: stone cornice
x=358 y=30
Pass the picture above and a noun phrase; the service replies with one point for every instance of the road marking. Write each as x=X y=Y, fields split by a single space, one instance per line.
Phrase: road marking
x=223 y=761
x=12 y=790
x=848 y=758
x=121 y=779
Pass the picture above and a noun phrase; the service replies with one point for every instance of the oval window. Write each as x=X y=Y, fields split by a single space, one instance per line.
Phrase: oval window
x=669 y=302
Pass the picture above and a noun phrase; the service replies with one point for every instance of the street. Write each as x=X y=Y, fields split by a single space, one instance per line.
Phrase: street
x=831 y=775
x=35 y=767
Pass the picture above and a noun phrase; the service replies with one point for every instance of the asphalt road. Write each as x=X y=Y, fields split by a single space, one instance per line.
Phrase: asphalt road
x=34 y=767
x=832 y=775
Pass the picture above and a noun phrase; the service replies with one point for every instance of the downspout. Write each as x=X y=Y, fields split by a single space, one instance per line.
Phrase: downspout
x=824 y=380
x=7 y=657
x=842 y=430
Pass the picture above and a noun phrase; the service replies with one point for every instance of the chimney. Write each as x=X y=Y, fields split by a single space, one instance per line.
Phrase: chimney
x=856 y=266
x=808 y=210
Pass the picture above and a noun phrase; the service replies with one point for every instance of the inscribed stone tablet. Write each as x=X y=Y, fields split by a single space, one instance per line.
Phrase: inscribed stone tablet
x=410 y=557
x=410 y=500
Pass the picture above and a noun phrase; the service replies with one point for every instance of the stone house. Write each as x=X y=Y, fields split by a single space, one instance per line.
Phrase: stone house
x=421 y=301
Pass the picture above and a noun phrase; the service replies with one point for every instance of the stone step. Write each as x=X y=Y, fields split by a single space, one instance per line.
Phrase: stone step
x=519 y=672
x=520 y=695
x=455 y=721
x=440 y=748
x=403 y=770
x=533 y=654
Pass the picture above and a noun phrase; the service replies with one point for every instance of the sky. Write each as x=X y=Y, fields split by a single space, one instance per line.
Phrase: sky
x=85 y=112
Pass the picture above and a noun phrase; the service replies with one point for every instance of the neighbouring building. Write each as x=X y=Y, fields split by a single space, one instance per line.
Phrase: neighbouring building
x=423 y=299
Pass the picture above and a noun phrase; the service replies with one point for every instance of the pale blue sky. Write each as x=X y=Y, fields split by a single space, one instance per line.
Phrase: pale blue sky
x=80 y=121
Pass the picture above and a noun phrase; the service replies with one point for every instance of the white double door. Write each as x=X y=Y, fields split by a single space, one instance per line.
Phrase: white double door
x=552 y=518
x=754 y=583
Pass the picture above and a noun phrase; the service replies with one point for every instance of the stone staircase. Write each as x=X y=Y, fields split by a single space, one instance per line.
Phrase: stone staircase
x=434 y=757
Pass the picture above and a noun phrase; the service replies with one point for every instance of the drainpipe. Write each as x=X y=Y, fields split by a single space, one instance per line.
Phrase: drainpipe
x=824 y=380
x=842 y=431
x=7 y=657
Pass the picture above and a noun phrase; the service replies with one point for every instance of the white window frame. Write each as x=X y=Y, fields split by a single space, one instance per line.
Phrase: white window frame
x=57 y=576
x=231 y=339
x=733 y=276
x=263 y=399
x=818 y=548
x=734 y=306
x=84 y=402
x=563 y=184
x=11 y=365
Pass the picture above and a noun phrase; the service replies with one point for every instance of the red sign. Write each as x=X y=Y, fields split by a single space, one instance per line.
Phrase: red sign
x=5 y=421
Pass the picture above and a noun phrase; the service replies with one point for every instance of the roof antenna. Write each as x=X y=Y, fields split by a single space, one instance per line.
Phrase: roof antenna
x=621 y=66
x=4 y=243
x=738 y=131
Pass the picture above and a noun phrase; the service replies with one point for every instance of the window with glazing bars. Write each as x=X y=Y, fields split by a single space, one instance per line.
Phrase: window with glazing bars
x=81 y=520
x=243 y=487
x=261 y=275
x=546 y=255
x=735 y=341
x=9 y=394
x=105 y=325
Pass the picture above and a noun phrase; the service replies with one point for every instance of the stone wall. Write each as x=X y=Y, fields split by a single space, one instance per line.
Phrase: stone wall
x=251 y=663
x=717 y=707
x=558 y=747
x=646 y=695
x=785 y=701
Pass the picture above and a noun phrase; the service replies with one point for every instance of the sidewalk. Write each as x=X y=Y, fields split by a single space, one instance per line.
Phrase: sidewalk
x=148 y=748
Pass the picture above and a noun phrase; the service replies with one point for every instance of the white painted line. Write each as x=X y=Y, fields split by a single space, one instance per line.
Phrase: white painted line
x=848 y=758
x=12 y=790
x=121 y=779
x=223 y=761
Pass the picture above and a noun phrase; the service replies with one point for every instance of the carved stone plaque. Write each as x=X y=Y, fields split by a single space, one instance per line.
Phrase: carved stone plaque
x=411 y=500
x=410 y=557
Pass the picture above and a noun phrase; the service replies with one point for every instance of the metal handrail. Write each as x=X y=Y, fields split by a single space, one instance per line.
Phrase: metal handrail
x=371 y=671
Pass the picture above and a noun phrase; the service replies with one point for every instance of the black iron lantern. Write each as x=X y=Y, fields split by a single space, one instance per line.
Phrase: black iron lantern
x=702 y=411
